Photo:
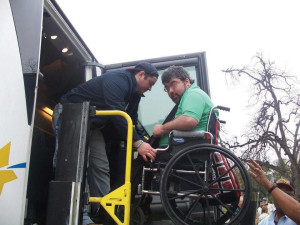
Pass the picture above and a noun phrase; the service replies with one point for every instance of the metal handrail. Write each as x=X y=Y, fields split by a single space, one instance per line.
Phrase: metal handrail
x=122 y=195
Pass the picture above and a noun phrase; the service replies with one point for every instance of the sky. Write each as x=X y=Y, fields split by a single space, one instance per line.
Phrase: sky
x=231 y=32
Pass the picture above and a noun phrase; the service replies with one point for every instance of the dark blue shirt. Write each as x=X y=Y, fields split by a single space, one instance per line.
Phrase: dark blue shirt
x=114 y=90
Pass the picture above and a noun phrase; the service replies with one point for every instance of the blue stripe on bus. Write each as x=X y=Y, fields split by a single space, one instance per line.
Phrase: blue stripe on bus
x=20 y=165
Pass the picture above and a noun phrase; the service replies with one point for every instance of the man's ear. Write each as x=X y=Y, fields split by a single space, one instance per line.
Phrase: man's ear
x=187 y=81
x=140 y=74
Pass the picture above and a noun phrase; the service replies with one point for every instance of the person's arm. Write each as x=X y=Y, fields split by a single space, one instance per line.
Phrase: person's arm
x=115 y=92
x=132 y=110
x=133 y=106
x=180 y=123
x=288 y=204
x=189 y=118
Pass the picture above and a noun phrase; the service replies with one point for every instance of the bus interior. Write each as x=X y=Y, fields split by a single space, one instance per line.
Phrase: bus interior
x=61 y=69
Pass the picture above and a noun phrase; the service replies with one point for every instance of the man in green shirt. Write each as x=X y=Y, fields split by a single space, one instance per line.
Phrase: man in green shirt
x=194 y=105
x=193 y=109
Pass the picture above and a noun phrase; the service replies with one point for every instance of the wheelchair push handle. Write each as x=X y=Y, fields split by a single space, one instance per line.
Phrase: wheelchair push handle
x=223 y=108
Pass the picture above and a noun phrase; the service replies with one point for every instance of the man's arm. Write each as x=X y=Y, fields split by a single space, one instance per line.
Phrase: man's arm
x=189 y=118
x=180 y=123
x=288 y=204
x=115 y=93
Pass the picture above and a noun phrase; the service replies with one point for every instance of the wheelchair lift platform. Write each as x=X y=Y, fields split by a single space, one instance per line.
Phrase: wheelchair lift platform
x=66 y=193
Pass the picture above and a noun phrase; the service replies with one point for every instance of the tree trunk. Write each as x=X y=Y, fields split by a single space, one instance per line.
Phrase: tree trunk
x=296 y=179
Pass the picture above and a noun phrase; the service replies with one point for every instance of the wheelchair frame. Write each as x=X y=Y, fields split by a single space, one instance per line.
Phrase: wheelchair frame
x=221 y=208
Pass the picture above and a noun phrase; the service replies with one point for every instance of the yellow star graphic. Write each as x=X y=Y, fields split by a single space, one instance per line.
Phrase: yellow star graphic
x=5 y=175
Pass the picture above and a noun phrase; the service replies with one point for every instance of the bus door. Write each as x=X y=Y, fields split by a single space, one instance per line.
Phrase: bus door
x=62 y=58
x=21 y=29
x=41 y=58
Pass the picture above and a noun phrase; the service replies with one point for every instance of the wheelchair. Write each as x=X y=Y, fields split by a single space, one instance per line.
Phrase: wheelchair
x=198 y=181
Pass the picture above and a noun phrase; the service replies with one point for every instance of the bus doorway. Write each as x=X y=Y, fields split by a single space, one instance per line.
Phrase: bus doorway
x=61 y=68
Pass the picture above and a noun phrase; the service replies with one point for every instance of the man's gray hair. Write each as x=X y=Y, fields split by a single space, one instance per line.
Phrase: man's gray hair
x=175 y=72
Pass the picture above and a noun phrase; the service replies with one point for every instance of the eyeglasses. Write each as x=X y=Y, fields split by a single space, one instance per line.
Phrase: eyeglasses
x=172 y=85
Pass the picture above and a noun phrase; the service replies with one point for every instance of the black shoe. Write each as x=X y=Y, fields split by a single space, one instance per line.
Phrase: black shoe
x=98 y=216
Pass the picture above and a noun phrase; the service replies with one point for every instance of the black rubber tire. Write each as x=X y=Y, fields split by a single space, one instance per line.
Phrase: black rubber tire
x=187 y=158
x=137 y=216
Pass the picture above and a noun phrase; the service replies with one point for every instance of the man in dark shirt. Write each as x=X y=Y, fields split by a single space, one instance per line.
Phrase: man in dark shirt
x=114 y=90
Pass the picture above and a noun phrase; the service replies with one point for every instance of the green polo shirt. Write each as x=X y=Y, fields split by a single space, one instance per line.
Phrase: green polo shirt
x=194 y=103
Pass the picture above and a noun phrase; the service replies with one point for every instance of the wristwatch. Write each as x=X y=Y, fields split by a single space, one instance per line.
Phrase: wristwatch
x=272 y=188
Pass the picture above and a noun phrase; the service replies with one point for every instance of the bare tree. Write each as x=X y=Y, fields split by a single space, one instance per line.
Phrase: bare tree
x=274 y=129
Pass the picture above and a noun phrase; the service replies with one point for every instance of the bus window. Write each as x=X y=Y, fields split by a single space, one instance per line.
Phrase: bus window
x=28 y=18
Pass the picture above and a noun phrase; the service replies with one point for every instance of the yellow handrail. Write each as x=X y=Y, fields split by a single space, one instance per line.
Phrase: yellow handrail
x=122 y=195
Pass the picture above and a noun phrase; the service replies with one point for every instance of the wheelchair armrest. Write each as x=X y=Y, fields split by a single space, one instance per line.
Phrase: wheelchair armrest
x=193 y=133
x=186 y=134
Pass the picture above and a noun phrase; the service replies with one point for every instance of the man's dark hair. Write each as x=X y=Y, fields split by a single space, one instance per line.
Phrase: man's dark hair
x=175 y=72
x=148 y=68
x=146 y=75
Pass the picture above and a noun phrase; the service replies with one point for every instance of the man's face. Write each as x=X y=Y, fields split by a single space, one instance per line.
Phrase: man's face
x=176 y=88
x=145 y=84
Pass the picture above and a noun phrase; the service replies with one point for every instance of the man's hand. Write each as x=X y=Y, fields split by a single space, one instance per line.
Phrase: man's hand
x=145 y=150
x=158 y=130
x=259 y=175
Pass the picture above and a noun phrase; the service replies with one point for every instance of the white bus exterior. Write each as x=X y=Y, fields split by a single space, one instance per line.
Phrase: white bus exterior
x=22 y=34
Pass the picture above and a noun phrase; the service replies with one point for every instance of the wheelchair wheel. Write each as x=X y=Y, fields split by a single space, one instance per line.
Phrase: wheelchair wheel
x=203 y=184
x=137 y=216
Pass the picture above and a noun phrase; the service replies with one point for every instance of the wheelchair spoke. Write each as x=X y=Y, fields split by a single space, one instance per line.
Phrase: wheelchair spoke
x=195 y=169
x=207 y=206
x=183 y=195
x=223 y=204
x=223 y=175
x=224 y=218
x=183 y=179
x=220 y=210
x=208 y=167
x=192 y=207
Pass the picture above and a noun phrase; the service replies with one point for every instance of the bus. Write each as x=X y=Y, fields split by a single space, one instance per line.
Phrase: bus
x=42 y=57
